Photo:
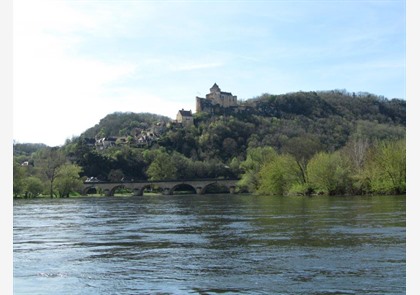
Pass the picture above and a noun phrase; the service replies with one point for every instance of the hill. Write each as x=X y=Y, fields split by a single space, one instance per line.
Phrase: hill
x=123 y=124
x=325 y=121
x=236 y=141
x=329 y=118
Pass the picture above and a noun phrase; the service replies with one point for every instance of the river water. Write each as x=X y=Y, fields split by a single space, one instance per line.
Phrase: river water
x=210 y=244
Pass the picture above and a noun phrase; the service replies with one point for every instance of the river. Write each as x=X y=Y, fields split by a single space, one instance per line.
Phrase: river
x=210 y=244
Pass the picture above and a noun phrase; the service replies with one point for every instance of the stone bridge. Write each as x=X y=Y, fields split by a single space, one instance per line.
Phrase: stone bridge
x=167 y=186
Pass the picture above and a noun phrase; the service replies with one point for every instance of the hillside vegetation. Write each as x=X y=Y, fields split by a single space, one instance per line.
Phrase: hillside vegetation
x=347 y=134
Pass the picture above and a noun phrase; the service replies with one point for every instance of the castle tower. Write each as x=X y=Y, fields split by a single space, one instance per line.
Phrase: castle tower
x=215 y=89
x=224 y=99
x=216 y=97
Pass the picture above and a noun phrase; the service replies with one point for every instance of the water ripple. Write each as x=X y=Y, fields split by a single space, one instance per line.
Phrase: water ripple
x=219 y=244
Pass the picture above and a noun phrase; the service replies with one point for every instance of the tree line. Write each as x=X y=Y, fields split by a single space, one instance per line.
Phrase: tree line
x=279 y=144
x=361 y=167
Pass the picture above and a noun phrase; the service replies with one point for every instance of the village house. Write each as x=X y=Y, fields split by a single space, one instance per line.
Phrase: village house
x=184 y=117
x=105 y=142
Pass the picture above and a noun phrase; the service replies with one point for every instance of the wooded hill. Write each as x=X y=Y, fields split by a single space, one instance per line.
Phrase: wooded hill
x=330 y=117
x=299 y=124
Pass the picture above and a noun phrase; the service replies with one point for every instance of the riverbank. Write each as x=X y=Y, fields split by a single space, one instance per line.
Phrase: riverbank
x=73 y=196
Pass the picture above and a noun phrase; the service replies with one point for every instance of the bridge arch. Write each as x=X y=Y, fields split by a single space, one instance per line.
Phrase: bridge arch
x=115 y=188
x=89 y=190
x=186 y=186
x=215 y=187
x=149 y=187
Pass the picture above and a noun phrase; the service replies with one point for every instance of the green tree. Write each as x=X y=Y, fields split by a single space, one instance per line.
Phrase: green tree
x=279 y=175
x=302 y=148
x=235 y=167
x=386 y=168
x=328 y=173
x=33 y=187
x=101 y=133
x=115 y=175
x=93 y=162
x=48 y=163
x=68 y=180
x=255 y=159
x=182 y=165
x=161 y=167
x=18 y=179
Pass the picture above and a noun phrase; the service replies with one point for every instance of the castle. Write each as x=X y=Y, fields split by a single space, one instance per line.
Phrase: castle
x=215 y=99
x=216 y=102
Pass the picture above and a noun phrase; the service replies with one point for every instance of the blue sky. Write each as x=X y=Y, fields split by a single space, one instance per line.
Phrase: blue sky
x=77 y=61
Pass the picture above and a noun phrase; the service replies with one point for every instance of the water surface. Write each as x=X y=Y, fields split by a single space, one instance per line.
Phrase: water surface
x=210 y=244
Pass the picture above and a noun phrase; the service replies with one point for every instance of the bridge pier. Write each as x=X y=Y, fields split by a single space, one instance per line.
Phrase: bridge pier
x=137 y=192
x=167 y=191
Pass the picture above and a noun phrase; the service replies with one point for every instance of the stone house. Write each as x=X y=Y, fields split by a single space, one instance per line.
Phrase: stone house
x=105 y=142
x=184 y=117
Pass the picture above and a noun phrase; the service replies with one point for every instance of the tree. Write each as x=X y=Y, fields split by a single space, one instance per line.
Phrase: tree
x=255 y=159
x=68 y=180
x=115 y=175
x=386 y=168
x=302 y=148
x=229 y=147
x=161 y=167
x=235 y=168
x=49 y=162
x=182 y=165
x=279 y=175
x=92 y=161
x=328 y=173
x=33 y=187
x=356 y=152
x=18 y=179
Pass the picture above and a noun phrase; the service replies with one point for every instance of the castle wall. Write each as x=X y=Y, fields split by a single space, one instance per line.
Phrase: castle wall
x=204 y=105
x=222 y=98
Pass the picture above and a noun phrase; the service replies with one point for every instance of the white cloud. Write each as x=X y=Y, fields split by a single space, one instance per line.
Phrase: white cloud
x=77 y=61
x=144 y=101
x=59 y=93
x=56 y=93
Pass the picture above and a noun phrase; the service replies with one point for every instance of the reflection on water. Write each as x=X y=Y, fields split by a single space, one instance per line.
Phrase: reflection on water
x=210 y=244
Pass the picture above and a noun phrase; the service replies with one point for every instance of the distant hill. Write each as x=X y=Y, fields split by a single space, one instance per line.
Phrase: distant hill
x=26 y=149
x=330 y=118
x=324 y=104
x=122 y=124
